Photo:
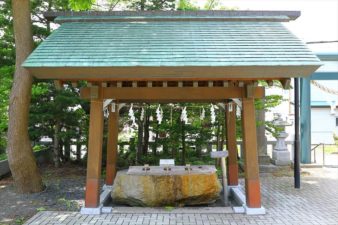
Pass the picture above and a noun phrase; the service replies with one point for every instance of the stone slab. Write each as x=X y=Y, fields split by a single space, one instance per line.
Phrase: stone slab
x=174 y=170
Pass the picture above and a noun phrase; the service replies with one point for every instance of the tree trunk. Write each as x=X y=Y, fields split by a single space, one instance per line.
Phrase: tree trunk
x=146 y=132
x=217 y=135
x=155 y=142
x=67 y=150
x=56 y=144
x=21 y=160
x=78 y=151
x=183 y=142
x=142 y=5
x=139 y=141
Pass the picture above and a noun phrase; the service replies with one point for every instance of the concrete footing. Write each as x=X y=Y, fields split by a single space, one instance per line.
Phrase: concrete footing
x=104 y=196
x=91 y=211
x=254 y=211
x=237 y=193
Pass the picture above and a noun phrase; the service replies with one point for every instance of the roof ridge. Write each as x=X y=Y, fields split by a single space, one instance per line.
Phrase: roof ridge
x=206 y=15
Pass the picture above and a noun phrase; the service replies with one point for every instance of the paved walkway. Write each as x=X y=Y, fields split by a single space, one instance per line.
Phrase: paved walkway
x=315 y=203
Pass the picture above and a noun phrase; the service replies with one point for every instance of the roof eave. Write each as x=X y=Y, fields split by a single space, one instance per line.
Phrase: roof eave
x=137 y=73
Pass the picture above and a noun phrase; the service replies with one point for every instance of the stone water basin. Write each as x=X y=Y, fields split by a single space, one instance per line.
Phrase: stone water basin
x=160 y=186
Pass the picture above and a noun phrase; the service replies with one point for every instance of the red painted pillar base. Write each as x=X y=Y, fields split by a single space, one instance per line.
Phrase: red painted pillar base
x=253 y=193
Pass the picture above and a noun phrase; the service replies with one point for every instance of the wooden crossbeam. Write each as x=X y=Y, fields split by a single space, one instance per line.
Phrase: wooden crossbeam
x=172 y=94
x=286 y=83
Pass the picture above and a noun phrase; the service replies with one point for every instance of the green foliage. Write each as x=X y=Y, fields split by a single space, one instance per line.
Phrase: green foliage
x=151 y=4
x=81 y=5
x=335 y=137
x=186 y=5
x=50 y=106
x=5 y=86
x=41 y=209
x=3 y=156
x=269 y=102
x=212 y=4
x=20 y=220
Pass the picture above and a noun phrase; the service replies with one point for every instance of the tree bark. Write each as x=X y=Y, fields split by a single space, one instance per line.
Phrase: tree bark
x=67 y=150
x=155 y=142
x=78 y=151
x=56 y=145
x=183 y=142
x=139 y=140
x=146 y=132
x=21 y=160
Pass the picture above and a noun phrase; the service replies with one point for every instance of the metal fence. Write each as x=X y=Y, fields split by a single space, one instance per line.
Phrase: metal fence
x=324 y=154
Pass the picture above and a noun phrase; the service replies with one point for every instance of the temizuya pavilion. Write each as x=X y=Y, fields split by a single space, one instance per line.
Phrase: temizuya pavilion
x=173 y=56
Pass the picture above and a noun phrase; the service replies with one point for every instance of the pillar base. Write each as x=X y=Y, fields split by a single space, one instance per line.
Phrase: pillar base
x=281 y=158
x=238 y=195
x=254 y=211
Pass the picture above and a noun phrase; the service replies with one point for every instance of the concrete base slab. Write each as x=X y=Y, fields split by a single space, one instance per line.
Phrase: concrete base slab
x=104 y=196
x=91 y=211
x=238 y=195
x=105 y=187
x=106 y=210
x=238 y=209
x=254 y=211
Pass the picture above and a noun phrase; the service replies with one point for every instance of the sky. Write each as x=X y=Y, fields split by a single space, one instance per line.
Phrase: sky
x=318 y=20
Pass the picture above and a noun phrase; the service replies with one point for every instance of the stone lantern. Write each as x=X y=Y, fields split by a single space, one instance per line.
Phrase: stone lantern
x=280 y=153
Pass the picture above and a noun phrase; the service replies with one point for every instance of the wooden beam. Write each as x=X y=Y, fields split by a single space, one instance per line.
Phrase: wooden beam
x=286 y=83
x=113 y=130
x=92 y=198
x=173 y=94
x=250 y=90
x=231 y=143
x=252 y=184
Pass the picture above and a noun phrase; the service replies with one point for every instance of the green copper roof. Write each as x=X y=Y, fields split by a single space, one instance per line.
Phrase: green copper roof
x=169 y=44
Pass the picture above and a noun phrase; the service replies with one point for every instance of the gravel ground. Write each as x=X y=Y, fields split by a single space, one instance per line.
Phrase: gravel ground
x=64 y=192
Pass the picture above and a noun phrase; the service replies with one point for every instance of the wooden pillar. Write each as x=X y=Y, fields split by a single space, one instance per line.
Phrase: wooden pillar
x=92 y=199
x=113 y=130
x=231 y=144
x=252 y=184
